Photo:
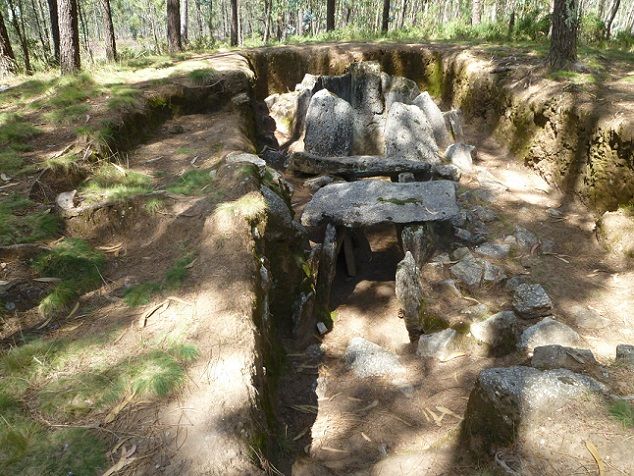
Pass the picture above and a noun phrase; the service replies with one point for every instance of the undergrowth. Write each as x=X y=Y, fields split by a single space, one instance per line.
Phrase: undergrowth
x=624 y=412
x=192 y=182
x=21 y=222
x=111 y=182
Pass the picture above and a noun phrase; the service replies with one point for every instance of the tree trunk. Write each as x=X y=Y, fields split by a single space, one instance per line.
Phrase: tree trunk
x=563 y=44
x=386 y=16
x=174 y=42
x=111 y=45
x=185 y=22
x=7 y=58
x=476 y=12
x=40 y=30
x=608 y=23
x=268 y=7
x=330 y=15
x=68 y=36
x=52 y=10
x=21 y=36
x=235 y=22
x=84 y=30
x=199 y=18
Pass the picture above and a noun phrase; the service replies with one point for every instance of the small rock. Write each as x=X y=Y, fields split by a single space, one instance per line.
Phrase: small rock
x=469 y=270
x=66 y=200
x=315 y=183
x=493 y=274
x=449 y=286
x=484 y=214
x=463 y=235
x=175 y=129
x=321 y=328
x=405 y=177
x=477 y=311
x=460 y=219
x=525 y=239
x=512 y=283
x=555 y=356
x=554 y=213
x=460 y=253
x=531 y=301
x=587 y=318
x=443 y=345
x=488 y=181
x=494 y=250
x=625 y=354
x=447 y=171
x=499 y=331
x=460 y=155
x=615 y=231
x=235 y=158
x=546 y=332
x=441 y=258
x=548 y=246
x=367 y=359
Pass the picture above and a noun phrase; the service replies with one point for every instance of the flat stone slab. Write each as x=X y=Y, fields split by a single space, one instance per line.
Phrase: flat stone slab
x=372 y=202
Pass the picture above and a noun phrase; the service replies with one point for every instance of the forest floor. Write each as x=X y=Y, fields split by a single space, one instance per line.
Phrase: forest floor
x=85 y=387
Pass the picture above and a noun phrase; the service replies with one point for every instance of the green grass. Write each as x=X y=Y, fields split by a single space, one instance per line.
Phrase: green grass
x=154 y=205
x=20 y=223
x=203 y=77
x=67 y=115
x=142 y=294
x=13 y=128
x=123 y=97
x=192 y=182
x=573 y=77
x=77 y=264
x=624 y=412
x=114 y=183
x=184 y=150
x=65 y=163
x=10 y=161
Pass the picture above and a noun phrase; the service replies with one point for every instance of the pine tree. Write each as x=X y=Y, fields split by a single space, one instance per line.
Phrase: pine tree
x=174 y=26
x=7 y=58
x=68 y=36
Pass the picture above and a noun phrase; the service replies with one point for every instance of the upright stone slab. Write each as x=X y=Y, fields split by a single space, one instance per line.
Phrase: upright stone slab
x=326 y=272
x=454 y=122
x=328 y=125
x=421 y=241
x=366 y=92
x=460 y=155
x=398 y=89
x=434 y=115
x=410 y=296
x=548 y=331
x=409 y=135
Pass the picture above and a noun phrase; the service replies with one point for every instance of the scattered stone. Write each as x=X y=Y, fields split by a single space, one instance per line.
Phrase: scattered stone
x=410 y=295
x=625 y=354
x=477 y=311
x=615 y=231
x=444 y=345
x=274 y=158
x=441 y=258
x=408 y=134
x=494 y=250
x=435 y=118
x=493 y=274
x=308 y=82
x=548 y=246
x=587 y=318
x=555 y=356
x=315 y=183
x=460 y=219
x=447 y=171
x=66 y=200
x=500 y=331
x=454 y=121
x=460 y=253
x=525 y=239
x=460 y=155
x=506 y=399
x=328 y=125
x=531 y=301
x=406 y=177
x=512 y=283
x=369 y=202
x=246 y=158
x=463 y=235
x=546 y=332
x=468 y=270
x=484 y=214
x=367 y=359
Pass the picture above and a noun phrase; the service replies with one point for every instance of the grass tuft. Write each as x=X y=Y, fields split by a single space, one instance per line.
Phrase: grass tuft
x=13 y=128
x=203 y=77
x=10 y=161
x=124 y=98
x=19 y=223
x=114 y=183
x=192 y=182
x=624 y=412
x=141 y=294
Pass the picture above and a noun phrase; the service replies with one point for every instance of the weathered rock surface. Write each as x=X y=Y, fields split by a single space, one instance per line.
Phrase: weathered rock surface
x=455 y=123
x=554 y=356
x=316 y=183
x=367 y=359
x=494 y=250
x=435 y=118
x=366 y=94
x=531 y=301
x=548 y=331
x=474 y=271
x=409 y=135
x=421 y=241
x=506 y=400
x=357 y=166
x=461 y=156
x=625 y=354
x=525 y=239
x=500 y=331
x=398 y=89
x=447 y=171
x=615 y=230
x=326 y=271
x=245 y=158
x=444 y=345
x=371 y=202
x=328 y=125
x=410 y=295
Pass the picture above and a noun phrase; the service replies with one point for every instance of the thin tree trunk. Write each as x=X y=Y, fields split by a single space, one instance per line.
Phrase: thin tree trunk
x=68 y=36
x=7 y=58
x=563 y=44
x=111 y=45
x=608 y=23
x=173 y=26
x=84 y=30
x=52 y=11
x=45 y=26
x=235 y=22
x=385 y=24
x=21 y=36
x=185 y=22
x=476 y=12
x=330 y=15
x=40 y=30
x=268 y=7
x=199 y=18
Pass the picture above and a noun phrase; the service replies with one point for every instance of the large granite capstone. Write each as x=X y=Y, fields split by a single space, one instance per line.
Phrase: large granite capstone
x=371 y=202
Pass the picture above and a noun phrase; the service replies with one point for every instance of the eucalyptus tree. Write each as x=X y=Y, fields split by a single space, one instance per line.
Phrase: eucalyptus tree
x=565 y=26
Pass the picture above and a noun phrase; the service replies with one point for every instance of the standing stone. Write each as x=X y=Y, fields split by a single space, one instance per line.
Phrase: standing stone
x=461 y=155
x=434 y=115
x=328 y=125
x=409 y=135
x=531 y=301
x=326 y=273
x=548 y=331
x=398 y=89
x=454 y=122
x=366 y=92
x=421 y=241
x=555 y=356
x=409 y=293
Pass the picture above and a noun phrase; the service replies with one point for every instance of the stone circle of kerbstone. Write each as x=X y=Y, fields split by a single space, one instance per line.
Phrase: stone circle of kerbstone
x=625 y=354
x=328 y=125
x=556 y=356
x=443 y=345
x=460 y=155
x=548 y=331
x=499 y=331
x=367 y=359
x=435 y=117
x=531 y=301
x=409 y=135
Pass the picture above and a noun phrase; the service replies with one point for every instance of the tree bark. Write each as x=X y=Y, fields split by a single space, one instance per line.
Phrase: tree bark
x=185 y=21
x=476 y=12
x=52 y=11
x=268 y=7
x=235 y=23
x=174 y=41
x=111 y=45
x=21 y=36
x=40 y=30
x=565 y=25
x=330 y=15
x=385 y=24
x=7 y=58
x=199 y=18
x=608 y=23
x=68 y=36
